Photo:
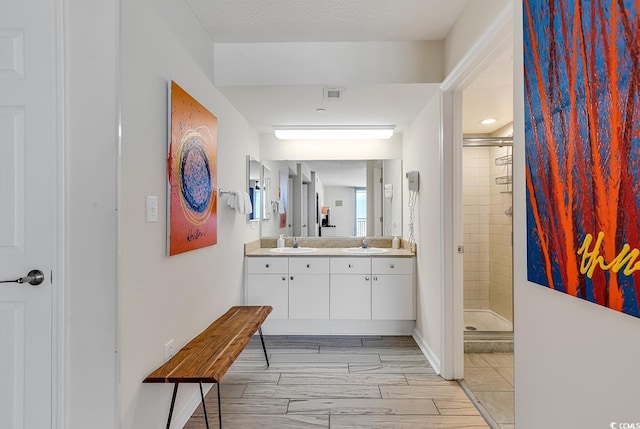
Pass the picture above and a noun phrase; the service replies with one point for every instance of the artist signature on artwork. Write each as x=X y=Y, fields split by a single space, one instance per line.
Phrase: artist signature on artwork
x=591 y=258
x=194 y=234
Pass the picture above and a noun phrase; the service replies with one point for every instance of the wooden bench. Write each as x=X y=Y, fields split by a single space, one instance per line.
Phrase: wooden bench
x=207 y=357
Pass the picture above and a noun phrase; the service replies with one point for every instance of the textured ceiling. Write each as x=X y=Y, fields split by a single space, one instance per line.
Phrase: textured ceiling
x=252 y=21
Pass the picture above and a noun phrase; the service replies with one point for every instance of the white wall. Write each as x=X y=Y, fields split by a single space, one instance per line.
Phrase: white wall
x=160 y=297
x=343 y=217
x=421 y=149
x=576 y=363
x=91 y=146
x=474 y=20
x=319 y=63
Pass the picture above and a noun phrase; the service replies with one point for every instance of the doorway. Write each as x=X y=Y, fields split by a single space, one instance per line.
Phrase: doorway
x=487 y=232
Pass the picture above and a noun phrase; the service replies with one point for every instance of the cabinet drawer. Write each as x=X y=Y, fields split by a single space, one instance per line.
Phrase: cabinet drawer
x=267 y=265
x=302 y=265
x=350 y=265
x=392 y=265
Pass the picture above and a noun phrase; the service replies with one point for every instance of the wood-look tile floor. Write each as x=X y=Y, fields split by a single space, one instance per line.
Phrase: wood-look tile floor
x=338 y=383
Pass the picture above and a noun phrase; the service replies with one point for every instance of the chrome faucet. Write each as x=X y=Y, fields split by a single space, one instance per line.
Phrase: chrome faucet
x=295 y=243
x=365 y=244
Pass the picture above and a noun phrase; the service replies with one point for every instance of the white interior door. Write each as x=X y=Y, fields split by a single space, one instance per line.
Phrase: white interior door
x=28 y=208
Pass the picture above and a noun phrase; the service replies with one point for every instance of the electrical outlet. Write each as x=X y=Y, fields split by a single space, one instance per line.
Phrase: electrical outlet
x=169 y=350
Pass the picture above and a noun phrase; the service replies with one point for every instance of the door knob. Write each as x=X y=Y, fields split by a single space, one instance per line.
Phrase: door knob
x=34 y=278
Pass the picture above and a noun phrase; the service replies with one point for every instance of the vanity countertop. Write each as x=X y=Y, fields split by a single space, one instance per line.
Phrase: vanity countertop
x=331 y=251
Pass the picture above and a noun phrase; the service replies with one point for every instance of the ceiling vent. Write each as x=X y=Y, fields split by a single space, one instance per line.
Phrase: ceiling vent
x=333 y=93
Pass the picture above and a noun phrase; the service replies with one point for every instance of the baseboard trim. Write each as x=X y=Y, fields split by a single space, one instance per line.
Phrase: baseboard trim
x=426 y=351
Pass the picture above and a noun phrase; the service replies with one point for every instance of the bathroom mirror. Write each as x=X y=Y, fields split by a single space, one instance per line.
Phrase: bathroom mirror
x=255 y=188
x=334 y=198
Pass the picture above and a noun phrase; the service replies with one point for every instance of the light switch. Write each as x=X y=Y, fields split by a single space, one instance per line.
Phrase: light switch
x=152 y=209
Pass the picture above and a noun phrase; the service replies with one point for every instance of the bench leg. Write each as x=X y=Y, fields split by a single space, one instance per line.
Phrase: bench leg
x=219 y=408
x=263 y=346
x=204 y=407
x=173 y=402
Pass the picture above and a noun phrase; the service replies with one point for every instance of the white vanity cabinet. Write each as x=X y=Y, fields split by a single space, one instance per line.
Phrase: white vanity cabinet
x=268 y=284
x=392 y=289
x=324 y=295
x=350 y=290
x=308 y=288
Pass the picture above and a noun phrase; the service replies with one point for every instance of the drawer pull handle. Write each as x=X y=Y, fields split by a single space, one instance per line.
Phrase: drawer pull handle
x=308 y=265
x=266 y=265
x=375 y=278
x=392 y=265
x=284 y=278
x=291 y=277
x=367 y=278
x=350 y=266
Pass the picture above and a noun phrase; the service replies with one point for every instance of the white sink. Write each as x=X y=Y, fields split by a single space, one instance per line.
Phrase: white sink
x=293 y=250
x=365 y=250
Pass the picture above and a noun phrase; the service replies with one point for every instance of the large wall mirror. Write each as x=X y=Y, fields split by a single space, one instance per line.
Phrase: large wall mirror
x=333 y=198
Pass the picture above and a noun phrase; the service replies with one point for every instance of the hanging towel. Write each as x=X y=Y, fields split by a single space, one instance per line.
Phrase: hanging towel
x=239 y=202
x=247 y=203
x=243 y=203
x=232 y=199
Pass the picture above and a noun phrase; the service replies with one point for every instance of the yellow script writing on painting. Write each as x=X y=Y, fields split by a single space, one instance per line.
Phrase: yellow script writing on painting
x=591 y=258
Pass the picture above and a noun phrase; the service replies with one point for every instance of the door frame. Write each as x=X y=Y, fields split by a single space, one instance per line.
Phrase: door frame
x=493 y=41
x=58 y=278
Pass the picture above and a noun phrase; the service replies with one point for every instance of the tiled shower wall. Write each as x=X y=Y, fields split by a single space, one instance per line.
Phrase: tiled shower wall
x=476 y=198
x=487 y=231
x=500 y=231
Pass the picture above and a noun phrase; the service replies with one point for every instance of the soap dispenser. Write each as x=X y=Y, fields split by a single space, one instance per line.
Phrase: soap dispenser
x=280 y=242
x=395 y=243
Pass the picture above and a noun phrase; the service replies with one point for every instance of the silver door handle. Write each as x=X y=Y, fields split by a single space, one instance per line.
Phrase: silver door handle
x=34 y=278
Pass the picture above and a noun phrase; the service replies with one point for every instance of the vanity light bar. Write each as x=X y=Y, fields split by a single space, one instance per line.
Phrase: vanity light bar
x=334 y=132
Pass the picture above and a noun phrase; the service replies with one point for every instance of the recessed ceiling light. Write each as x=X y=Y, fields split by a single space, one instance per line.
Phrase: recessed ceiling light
x=488 y=121
x=333 y=132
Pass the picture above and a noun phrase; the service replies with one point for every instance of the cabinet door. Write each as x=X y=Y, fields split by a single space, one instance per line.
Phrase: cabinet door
x=269 y=289
x=309 y=296
x=392 y=297
x=350 y=297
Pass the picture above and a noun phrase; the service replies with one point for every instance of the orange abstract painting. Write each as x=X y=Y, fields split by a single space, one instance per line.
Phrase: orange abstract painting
x=192 y=173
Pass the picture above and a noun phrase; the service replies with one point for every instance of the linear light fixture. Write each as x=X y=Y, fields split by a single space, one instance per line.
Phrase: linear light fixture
x=333 y=132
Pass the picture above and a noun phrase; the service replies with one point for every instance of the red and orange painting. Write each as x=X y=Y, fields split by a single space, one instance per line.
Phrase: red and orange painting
x=582 y=128
x=192 y=173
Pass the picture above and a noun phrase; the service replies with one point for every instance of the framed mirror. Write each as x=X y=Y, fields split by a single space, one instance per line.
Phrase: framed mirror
x=334 y=198
x=255 y=188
